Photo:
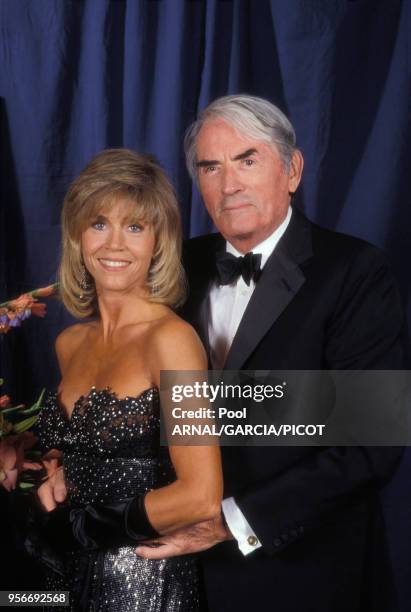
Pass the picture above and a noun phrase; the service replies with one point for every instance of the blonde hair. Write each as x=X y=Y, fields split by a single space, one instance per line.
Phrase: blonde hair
x=114 y=174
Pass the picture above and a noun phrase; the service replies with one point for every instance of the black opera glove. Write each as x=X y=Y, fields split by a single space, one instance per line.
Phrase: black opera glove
x=99 y=525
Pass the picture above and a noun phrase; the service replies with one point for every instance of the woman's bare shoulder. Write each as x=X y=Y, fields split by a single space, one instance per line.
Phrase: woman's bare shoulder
x=175 y=341
x=174 y=328
x=70 y=338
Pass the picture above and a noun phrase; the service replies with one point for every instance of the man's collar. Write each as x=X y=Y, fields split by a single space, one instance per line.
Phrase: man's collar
x=268 y=245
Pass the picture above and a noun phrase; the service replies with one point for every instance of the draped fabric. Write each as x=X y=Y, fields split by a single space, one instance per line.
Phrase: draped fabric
x=79 y=76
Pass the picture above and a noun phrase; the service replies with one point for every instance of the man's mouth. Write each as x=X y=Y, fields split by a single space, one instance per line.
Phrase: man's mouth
x=116 y=264
x=229 y=206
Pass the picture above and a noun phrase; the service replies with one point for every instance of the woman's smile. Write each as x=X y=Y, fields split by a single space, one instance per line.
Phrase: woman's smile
x=114 y=264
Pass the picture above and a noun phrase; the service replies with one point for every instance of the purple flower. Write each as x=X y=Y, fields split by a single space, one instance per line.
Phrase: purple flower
x=15 y=321
x=25 y=314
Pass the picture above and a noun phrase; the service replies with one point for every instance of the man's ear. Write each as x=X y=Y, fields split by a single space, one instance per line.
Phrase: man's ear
x=296 y=170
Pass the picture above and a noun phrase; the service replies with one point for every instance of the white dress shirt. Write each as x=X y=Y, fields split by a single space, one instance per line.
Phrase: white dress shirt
x=227 y=304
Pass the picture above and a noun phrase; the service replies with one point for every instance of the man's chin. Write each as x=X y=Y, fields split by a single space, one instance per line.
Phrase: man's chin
x=242 y=241
x=243 y=236
x=237 y=231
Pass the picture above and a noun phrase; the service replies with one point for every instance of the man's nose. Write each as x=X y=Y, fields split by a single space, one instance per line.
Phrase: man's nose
x=231 y=182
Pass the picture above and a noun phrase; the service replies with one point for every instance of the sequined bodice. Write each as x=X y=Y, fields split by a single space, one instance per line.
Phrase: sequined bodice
x=110 y=445
x=111 y=451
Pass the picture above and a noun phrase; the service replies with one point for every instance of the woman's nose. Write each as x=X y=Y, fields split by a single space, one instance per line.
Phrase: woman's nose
x=115 y=238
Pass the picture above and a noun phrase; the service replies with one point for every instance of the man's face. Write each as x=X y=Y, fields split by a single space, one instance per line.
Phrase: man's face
x=244 y=184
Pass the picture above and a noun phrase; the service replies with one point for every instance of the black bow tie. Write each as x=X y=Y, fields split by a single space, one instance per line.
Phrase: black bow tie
x=230 y=267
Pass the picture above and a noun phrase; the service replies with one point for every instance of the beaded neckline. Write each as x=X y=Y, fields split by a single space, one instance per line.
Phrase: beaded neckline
x=94 y=393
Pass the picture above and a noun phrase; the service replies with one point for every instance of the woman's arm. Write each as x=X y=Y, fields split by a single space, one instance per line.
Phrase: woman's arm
x=194 y=497
x=197 y=491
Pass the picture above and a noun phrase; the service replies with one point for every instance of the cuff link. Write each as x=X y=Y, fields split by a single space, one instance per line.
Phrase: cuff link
x=252 y=540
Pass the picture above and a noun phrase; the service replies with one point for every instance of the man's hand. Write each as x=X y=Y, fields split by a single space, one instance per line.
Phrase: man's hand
x=192 y=539
x=53 y=491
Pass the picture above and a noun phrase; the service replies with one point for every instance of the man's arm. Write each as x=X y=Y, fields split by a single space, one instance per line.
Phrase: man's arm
x=366 y=332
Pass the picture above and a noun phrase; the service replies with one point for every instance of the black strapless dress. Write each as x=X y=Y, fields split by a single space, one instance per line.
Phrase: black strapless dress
x=111 y=452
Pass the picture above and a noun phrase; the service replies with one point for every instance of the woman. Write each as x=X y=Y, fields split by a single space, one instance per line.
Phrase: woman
x=121 y=268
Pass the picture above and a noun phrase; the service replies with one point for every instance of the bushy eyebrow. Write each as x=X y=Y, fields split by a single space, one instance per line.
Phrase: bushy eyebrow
x=204 y=163
x=245 y=154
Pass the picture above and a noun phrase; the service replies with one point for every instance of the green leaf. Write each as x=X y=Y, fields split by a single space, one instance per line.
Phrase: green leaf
x=32 y=410
x=24 y=425
x=13 y=409
x=36 y=405
x=26 y=485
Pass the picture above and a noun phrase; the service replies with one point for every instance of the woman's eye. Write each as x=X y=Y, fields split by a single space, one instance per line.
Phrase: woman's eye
x=98 y=225
x=135 y=228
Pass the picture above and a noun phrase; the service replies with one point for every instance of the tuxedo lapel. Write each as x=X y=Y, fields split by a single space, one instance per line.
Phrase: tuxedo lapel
x=281 y=279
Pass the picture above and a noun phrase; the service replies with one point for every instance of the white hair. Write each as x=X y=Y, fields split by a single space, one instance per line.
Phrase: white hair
x=254 y=117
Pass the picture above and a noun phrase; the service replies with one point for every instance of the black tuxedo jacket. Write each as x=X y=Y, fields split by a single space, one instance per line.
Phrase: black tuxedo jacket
x=324 y=301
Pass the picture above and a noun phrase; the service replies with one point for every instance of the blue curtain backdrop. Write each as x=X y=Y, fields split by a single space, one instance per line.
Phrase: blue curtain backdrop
x=79 y=76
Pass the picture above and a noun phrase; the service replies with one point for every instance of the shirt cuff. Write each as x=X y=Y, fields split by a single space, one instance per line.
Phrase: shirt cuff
x=239 y=527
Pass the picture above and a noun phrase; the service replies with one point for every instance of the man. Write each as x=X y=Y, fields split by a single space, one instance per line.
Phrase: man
x=306 y=520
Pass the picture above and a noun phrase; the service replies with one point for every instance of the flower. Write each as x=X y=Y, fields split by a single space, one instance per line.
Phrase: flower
x=14 y=312
x=15 y=439
x=12 y=461
x=4 y=321
x=5 y=402
x=21 y=303
x=38 y=309
x=15 y=436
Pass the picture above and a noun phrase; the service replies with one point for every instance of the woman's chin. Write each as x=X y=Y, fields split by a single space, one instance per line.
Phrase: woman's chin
x=120 y=287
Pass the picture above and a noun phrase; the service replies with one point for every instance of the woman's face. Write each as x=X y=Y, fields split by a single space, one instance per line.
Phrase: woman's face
x=116 y=252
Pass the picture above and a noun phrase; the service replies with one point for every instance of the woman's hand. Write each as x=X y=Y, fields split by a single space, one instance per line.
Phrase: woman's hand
x=53 y=491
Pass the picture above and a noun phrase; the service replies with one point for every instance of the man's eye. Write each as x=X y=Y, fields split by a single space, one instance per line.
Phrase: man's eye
x=210 y=169
x=248 y=162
